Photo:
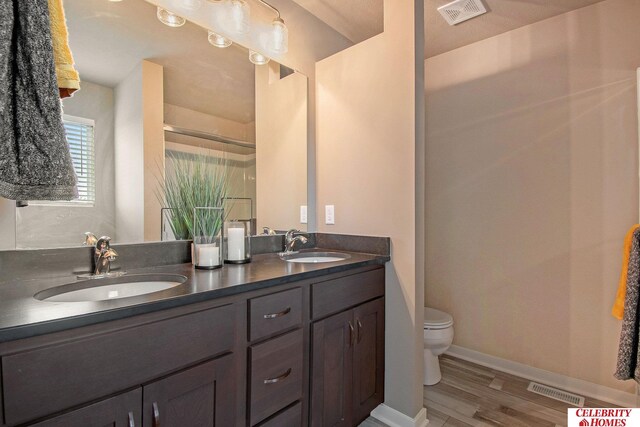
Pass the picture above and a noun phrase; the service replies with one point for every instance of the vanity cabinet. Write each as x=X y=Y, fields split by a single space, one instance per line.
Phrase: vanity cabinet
x=308 y=352
x=123 y=410
x=199 y=396
x=347 y=367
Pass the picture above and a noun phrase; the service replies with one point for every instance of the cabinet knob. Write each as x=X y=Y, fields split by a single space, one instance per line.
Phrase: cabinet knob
x=280 y=314
x=132 y=421
x=352 y=334
x=278 y=378
x=156 y=415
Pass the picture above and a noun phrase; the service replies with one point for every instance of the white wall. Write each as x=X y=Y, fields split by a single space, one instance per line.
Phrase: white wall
x=367 y=167
x=42 y=226
x=7 y=224
x=532 y=183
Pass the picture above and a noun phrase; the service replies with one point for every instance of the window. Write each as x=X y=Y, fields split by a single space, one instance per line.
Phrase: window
x=80 y=136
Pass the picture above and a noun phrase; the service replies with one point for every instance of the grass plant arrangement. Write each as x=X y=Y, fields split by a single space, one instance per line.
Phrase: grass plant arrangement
x=194 y=181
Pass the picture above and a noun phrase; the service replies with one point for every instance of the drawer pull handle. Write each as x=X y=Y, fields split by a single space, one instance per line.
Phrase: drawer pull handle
x=156 y=415
x=278 y=379
x=352 y=334
x=359 y=330
x=132 y=422
x=280 y=314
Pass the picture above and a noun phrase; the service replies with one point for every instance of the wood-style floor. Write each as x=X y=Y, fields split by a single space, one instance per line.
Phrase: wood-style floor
x=472 y=395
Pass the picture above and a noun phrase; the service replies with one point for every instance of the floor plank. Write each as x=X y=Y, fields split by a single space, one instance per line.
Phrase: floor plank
x=471 y=395
x=499 y=398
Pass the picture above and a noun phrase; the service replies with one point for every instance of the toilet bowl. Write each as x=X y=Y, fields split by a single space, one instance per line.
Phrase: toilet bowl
x=438 y=336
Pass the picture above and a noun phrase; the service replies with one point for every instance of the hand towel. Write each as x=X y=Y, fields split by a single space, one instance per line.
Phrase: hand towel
x=628 y=348
x=618 y=306
x=35 y=163
x=68 y=78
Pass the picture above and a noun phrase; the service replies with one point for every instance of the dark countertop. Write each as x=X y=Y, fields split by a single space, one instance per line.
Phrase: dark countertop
x=22 y=316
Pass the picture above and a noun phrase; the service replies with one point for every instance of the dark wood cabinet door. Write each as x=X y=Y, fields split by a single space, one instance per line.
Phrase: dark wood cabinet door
x=123 y=410
x=368 y=359
x=203 y=396
x=331 y=370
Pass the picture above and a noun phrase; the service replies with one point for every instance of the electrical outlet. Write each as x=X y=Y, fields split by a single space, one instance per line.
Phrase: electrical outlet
x=329 y=215
x=303 y=214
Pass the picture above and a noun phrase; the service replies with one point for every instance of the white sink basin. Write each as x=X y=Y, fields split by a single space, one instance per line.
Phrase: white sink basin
x=316 y=257
x=109 y=289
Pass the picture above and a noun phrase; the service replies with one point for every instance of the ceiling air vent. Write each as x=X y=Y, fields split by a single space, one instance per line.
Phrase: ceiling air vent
x=461 y=10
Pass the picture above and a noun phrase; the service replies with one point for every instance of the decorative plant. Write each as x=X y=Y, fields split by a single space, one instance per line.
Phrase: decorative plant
x=193 y=181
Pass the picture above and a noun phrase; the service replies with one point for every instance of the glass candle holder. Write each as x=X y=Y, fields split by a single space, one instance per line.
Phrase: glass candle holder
x=208 y=237
x=238 y=241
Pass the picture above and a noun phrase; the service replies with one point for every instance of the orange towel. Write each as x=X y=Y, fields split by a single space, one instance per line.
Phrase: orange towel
x=68 y=79
x=618 y=306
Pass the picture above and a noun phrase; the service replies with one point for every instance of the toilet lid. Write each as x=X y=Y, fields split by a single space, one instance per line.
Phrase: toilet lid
x=436 y=318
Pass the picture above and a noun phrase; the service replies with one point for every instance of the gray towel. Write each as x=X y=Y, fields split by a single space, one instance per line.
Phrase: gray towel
x=628 y=366
x=35 y=163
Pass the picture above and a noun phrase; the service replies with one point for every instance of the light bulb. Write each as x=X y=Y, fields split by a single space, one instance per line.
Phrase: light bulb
x=279 y=38
x=170 y=19
x=218 y=41
x=190 y=5
x=257 y=58
x=240 y=12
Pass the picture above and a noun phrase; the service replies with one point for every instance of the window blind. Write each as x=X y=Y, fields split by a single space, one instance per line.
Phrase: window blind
x=80 y=136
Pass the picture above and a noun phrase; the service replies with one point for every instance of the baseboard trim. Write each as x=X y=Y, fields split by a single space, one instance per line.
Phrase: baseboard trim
x=394 y=418
x=574 y=385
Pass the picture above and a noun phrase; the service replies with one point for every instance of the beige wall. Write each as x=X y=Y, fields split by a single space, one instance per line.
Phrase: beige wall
x=129 y=159
x=139 y=153
x=153 y=133
x=366 y=145
x=281 y=148
x=532 y=182
x=176 y=115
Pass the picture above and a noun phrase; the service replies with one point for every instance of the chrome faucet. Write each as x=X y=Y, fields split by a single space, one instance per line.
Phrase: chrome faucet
x=103 y=255
x=290 y=240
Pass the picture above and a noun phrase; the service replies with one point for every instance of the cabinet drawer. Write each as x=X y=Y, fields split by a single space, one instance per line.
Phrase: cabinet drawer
x=276 y=375
x=274 y=313
x=333 y=296
x=47 y=380
x=290 y=417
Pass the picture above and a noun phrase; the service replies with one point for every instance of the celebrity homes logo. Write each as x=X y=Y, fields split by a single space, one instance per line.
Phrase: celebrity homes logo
x=603 y=417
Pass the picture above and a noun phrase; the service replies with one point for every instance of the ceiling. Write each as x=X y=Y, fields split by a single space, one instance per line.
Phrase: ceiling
x=108 y=39
x=358 y=20
x=502 y=16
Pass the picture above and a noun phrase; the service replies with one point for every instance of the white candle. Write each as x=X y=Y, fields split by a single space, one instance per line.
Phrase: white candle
x=208 y=255
x=235 y=244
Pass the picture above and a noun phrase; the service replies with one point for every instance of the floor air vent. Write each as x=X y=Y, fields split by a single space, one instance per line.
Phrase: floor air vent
x=460 y=10
x=557 y=394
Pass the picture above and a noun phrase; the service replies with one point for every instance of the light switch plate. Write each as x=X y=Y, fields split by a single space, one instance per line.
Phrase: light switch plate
x=303 y=214
x=329 y=215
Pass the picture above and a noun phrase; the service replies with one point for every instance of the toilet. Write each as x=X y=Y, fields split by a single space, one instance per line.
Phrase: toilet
x=438 y=336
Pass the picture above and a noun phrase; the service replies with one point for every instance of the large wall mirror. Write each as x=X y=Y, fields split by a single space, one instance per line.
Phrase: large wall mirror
x=150 y=94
